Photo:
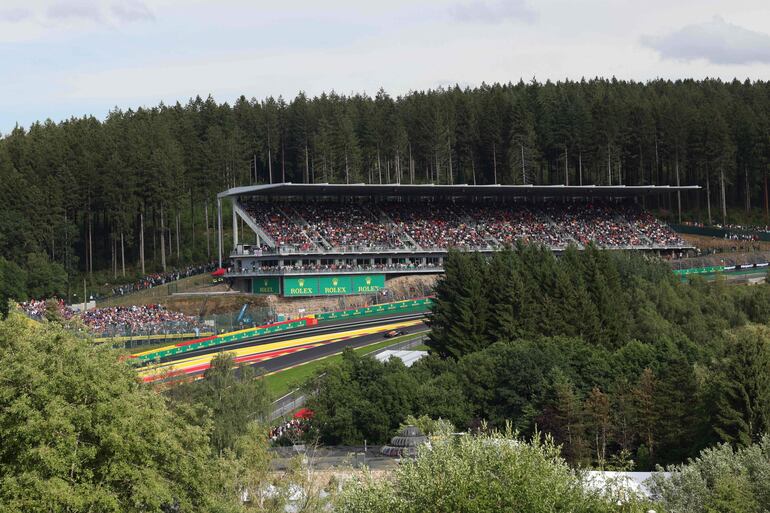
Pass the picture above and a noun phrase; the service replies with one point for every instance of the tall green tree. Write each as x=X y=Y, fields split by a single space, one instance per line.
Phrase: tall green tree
x=87 y=436
x=742 y=409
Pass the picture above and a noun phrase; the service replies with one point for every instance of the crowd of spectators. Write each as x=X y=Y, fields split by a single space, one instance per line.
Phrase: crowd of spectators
x=278 y=225
x=435 y=225
x=119 y=320
x=731 y=226
x=298 y=268
x=507 y=225
x=37 y=308
x=138 y=320
x=600 y=223
x=657 y=232
x=289 y=432
x=153 y=280
x=443 y=225
x=348 y=225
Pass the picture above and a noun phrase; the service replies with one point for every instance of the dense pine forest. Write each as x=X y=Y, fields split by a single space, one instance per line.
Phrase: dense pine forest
x=84 y=193
x=610 y=353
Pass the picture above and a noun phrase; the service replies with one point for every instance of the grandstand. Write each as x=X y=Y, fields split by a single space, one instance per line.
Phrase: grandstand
x=331 y=239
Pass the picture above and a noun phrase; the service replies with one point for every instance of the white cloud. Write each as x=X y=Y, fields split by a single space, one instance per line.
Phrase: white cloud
x=493 y=11
x=132 y=10
x=74 y=10
x=76 y=65
x=717 y=41
x=72 y=14
x=15 y=14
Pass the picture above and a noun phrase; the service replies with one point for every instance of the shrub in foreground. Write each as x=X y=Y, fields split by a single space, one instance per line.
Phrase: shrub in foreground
x=720 y=479
x=496 y=472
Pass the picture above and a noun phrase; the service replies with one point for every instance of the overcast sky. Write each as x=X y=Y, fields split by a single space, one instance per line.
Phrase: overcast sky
x=62 y=58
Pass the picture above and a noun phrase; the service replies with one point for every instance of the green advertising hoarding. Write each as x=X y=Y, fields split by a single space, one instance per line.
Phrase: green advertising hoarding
x=332 y=285
x=368 y=283
x=266 y=285
x=302 y=286
x=699 y=270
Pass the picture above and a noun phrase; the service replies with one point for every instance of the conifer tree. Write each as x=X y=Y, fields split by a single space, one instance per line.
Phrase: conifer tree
x=743 y=388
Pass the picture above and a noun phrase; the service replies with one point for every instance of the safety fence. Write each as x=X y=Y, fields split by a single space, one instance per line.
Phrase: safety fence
x=206 y=342
x=408 y=306
x=249 y=316
x=130 y=341
x=699 y=270
x=719 y=269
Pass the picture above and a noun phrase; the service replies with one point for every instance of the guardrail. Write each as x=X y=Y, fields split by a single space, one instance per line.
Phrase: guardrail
x=699 y=270
x=407 y=306
x=719 y=269
x=234 y=336
x=146 y=339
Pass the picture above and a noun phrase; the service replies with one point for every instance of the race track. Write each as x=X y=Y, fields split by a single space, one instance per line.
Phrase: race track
x=273 y=356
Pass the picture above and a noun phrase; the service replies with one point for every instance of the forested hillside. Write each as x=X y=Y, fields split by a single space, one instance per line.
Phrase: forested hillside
x=81 y=191
x=608 y=352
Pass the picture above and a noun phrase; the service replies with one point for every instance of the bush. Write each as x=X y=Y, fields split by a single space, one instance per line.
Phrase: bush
x=720 y=479
x=428 y=425
x=496 y=472
x=80 y=433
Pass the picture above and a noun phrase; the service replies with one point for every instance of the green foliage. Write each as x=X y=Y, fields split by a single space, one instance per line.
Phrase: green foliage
x=13 y=284
x=74 y=190
x=428 y=425
x=742 y=387
x=527 y=292
x=45 y=278
x=361 y=399
x=719 y=480
x=496 y=472
x=622 y=364
x=233 y=394
x=81 y=434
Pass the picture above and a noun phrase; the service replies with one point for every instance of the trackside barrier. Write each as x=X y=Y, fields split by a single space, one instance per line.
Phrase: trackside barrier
x=407 y=306
x=699 y=270
x=148 y=338
x=718 y=269
x=267 y=330
x=228 y=337
x=410 y=305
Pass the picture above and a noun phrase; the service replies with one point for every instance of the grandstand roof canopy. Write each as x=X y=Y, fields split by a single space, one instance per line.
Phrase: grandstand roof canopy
x=423 y=190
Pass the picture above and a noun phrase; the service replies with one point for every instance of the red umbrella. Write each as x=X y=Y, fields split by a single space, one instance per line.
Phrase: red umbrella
x=304 y=413
x=218 y=272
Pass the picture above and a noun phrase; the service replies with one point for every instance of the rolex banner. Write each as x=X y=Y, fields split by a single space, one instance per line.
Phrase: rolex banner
x=332 y=285
x=367 y=283
x=265 y=285
x=303 y=286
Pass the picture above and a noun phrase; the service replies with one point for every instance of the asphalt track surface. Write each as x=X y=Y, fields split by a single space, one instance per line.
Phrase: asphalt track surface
x=287 y=350
x=326 y=327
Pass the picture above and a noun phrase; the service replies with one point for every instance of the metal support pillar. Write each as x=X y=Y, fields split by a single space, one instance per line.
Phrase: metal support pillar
x=235 y=227
x=219 y=229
